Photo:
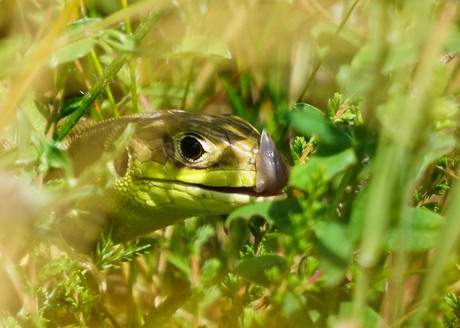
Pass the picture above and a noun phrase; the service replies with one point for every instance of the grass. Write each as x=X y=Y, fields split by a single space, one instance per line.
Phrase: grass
x=361 y=97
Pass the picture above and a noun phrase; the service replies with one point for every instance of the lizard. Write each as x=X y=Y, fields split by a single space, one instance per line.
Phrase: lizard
x=178 y=164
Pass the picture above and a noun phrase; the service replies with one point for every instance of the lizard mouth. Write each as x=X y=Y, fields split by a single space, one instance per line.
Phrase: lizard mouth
x=242 y=190
x=248 y=191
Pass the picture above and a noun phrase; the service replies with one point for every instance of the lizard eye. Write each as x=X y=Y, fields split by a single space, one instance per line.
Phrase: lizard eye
x=191 y=148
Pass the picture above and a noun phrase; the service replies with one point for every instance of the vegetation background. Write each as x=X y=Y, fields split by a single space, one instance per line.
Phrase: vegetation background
x=361 y=96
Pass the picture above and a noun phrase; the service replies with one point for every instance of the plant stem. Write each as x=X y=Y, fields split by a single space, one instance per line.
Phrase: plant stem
x=320 y=61
x=132 y=66
x=108 y=75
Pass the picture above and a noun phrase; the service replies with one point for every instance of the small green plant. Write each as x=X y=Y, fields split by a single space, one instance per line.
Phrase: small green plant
x=108 y=255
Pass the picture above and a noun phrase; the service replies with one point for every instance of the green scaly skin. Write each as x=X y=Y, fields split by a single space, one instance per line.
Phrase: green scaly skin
x=159 y=182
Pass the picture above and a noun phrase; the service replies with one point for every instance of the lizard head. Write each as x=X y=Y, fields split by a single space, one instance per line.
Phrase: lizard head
x=180 y=164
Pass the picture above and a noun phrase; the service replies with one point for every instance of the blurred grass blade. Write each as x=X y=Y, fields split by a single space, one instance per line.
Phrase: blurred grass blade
x=34 y=62
x=200 y=46
x=448 y=241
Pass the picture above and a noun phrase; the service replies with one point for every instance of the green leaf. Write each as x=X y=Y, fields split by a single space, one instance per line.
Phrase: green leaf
x=323 y=168
x=254 y=268
x=120 y=41
x=78 y=47
x=360 y=71
x=81 y=24
x=334 y=250
x=72 y=51
x=335 y=49
x=309 y=120
x=276 y=213
x=419 y=231
x=200 y=46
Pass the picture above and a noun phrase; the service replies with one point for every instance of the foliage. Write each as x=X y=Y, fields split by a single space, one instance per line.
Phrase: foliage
x=362 y=95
